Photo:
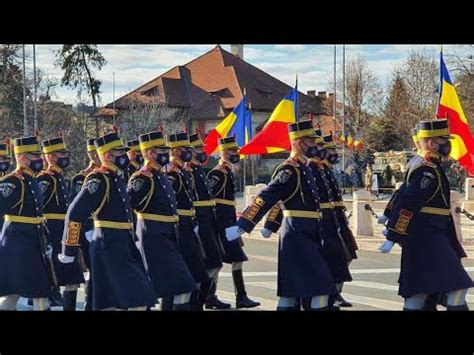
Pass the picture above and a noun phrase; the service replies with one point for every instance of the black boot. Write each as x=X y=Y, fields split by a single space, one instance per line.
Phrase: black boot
x=30 y=302
x=194 y=304
x=181 y=307
x=203 y=293
x=341 y=302
x=462 y=307
x=319 y=309
x=212 y=301
x=241 y=299
x=69 y=300
x=443 y=300
x=167 y=303
x=88 y=305
x=431 y=302
x=55 y=299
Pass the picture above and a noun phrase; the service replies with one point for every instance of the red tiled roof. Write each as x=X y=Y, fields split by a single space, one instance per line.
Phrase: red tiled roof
x=211 y=85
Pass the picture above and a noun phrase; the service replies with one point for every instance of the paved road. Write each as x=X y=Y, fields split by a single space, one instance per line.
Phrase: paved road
x=374 y=286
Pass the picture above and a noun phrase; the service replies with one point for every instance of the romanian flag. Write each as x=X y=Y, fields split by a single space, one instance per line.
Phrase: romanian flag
x=462 y=146
x=234 y=123
x=274 y=136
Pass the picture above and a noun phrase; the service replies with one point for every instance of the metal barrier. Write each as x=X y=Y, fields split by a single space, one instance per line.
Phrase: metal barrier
x=369 y=208
x=464 y=212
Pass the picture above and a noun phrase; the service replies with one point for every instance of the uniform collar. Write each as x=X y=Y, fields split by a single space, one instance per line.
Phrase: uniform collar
x=176 y=161
x=91 y=167
x=225 y=164
x=110 y=167
x=25 y=171
x=54 y=168
x=135 y=164
x=195 y=162
x=300 y=158
x=152 y=165
x=429 y=155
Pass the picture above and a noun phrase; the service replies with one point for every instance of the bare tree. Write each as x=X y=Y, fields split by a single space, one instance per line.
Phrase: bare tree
x=364 y=95
x=420 y=71
x=141 y=117
x=462 y=68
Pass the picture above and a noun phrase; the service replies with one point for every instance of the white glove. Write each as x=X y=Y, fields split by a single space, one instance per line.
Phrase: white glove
x=386 y=247
x=266 y=233
x=65 y=259
x=196 y=230
x=49 y=252
x=382 y=219
x=233 y=233
x=89 y=235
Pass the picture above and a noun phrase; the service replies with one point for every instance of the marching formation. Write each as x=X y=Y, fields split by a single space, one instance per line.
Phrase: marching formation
x=150 y=227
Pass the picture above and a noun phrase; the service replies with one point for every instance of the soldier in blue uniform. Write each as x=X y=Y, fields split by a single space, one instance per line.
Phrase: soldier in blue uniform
x=135 y=156
x=350 y=244
x=386 y=213
x=423 y=226
x=77 y=183
x=205 y=214
x=302 y=269
x=5 y=164
x=182 y=180
x=25 y=265
x=154 y=201
x=335 y=251
x=55 y=203
x=222 y=184
x=118 y=273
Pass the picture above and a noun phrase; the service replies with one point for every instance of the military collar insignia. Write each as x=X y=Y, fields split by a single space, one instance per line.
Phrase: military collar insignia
x=225 y=164
x=55 y=169
x=109 y=167
x=176 y=161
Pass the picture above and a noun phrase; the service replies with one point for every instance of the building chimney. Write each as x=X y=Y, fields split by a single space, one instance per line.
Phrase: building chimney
x=237 y=50
x=322 y=95
x=311 y=93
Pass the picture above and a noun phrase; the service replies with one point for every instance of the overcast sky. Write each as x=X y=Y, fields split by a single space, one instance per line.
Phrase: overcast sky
x=134 y=65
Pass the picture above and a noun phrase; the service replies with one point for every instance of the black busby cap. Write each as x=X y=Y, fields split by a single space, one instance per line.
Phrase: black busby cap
x=227 y=143
x=27 y=145
x=301 y=129
x=108 y=142
x=54 y=145
x=152 y=139
x=434 y=128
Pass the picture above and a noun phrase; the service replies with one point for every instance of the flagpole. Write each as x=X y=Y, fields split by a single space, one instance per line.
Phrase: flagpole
x=343 y=105
x=334 y=95
x=35 y=114
x=25 y=118
x=251 y=157
x=245 y=156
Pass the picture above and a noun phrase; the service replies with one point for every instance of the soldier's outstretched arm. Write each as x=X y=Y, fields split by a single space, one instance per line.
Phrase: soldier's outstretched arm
x=423 y=184
x=282 y=185
x=273 y=221
x=86 y=202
